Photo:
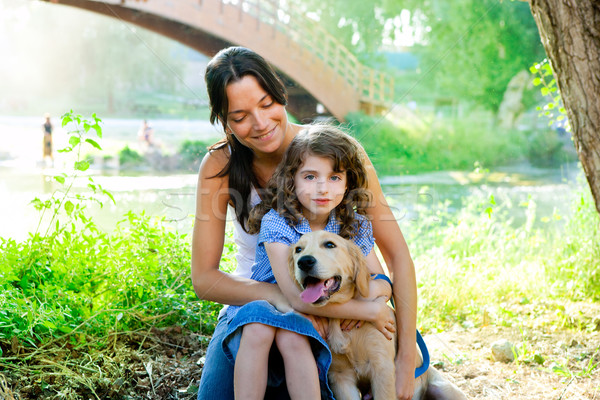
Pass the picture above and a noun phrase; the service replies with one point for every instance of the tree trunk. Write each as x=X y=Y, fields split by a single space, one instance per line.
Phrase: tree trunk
x=570 y=32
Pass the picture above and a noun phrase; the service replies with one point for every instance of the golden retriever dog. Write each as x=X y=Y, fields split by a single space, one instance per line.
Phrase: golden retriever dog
x=330 y=269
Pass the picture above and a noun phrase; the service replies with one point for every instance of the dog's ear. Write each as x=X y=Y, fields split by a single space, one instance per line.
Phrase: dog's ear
x=361 y=271
x=291 y=265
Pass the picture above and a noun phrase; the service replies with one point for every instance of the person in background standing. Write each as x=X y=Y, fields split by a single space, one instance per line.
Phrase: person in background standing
x=146 y=134
x=47 y=129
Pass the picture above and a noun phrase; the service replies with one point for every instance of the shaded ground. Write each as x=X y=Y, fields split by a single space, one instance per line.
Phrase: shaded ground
x=557 y=365
x=160 y=364
x=166 y=364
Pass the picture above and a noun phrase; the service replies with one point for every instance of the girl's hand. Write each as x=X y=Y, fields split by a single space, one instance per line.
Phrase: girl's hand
x=321 y=324
x=349 y=324
x=279 y=301
x=379 y=288
x=383 y=318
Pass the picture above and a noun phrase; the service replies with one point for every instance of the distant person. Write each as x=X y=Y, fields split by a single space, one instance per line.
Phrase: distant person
x=47 y=129
x=146 y=134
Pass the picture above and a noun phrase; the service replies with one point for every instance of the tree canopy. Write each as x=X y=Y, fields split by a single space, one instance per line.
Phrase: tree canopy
x=470 y=49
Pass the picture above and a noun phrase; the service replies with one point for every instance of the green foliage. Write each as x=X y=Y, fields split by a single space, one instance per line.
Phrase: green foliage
x=575 y=270
x=129 y=157
x=554 y=110
x=411 y=143
x=85 y=283
x=192 y=152
x=77 y=282
x=64 y=201
x=473 y=48
x=482 y=263
x=546 y=148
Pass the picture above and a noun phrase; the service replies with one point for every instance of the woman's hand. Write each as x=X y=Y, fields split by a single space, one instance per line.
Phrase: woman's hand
x=405 y=380
x=321 y=324
x=349 y=324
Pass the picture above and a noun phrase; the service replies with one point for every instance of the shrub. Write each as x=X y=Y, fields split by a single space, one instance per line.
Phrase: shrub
x=413 y=144
x=191 y=152
x=129 y=157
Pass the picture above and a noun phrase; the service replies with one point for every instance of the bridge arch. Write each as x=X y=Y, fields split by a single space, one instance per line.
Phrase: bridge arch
x=316 y=68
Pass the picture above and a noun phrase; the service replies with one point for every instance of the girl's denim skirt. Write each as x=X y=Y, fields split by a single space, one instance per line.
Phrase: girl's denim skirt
x=263 y=312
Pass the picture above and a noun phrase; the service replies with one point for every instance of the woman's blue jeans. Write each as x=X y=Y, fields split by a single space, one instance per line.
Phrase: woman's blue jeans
x=216 y=382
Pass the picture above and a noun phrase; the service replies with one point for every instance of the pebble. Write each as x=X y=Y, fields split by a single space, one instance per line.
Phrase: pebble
x=502 y=351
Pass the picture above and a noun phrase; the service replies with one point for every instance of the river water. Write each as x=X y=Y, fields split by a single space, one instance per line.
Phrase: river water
x=24 y=176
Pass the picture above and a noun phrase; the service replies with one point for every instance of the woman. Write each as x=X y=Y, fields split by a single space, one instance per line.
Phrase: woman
x=248 y=99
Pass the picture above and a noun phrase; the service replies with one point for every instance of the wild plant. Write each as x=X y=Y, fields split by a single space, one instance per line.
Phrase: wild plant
x=63 y=199
x=72 y=281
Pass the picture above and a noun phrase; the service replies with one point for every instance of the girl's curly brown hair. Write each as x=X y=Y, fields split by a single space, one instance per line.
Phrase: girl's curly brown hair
x=319 y=140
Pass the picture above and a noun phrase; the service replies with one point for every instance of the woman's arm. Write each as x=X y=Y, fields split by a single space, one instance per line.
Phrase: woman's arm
x=397 y=257
x=375 y=312
x=208 y=237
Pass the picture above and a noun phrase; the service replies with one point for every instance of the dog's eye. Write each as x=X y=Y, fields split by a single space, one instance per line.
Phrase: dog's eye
x=298 y=249
x=330 y=245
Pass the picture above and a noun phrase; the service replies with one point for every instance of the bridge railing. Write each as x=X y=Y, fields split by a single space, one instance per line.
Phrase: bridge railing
x=373 y=86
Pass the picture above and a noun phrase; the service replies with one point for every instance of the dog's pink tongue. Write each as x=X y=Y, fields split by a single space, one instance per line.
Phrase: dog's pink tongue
x=313 y=292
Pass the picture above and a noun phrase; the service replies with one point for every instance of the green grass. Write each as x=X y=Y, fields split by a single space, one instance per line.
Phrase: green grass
x=477 y=267
x=405 y=142
x=85 y=283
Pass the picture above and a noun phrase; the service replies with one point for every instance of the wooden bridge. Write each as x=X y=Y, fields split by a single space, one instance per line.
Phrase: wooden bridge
x=315 y=66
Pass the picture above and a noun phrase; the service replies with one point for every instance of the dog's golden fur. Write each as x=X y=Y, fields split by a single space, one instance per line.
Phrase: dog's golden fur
x=362 y=357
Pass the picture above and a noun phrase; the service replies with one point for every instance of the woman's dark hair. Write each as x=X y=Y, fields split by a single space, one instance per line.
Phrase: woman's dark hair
x=322 y=141
x=227 y=66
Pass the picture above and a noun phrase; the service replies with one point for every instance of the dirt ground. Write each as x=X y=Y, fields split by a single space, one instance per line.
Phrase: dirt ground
x=558 y=365
x=167 y=363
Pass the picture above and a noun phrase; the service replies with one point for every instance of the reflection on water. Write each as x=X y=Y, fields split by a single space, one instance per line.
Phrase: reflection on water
x=23 y=178
x=173 y=196
x=551 y=189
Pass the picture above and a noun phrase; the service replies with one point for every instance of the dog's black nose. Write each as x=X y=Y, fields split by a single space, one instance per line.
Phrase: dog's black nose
x=306 y=263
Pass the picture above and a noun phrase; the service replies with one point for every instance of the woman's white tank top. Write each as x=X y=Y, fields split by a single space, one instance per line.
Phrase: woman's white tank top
x=246 y=243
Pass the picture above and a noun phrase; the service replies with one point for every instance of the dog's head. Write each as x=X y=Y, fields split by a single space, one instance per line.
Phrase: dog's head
x=328 y=268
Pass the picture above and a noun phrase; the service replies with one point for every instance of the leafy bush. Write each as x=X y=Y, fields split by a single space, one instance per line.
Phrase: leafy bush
x=546 y=149
x=129 y=157
x=412 y=144
x=77 y=282
x=192 y=152
x=90 y=283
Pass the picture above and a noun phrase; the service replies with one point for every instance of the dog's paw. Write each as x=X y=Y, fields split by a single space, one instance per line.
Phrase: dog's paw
x=337 y=340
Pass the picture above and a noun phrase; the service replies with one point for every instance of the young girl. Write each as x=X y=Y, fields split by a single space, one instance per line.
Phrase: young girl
x=320 y=185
